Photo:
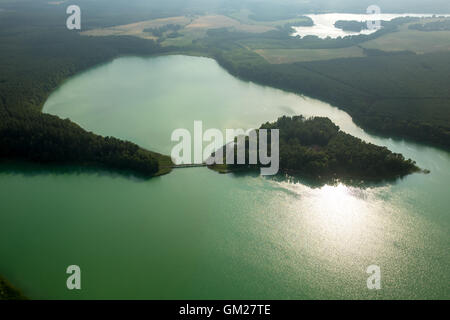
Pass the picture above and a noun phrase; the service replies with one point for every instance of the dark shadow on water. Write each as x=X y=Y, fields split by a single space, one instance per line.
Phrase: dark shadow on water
x=316 y=183
x=29 y=169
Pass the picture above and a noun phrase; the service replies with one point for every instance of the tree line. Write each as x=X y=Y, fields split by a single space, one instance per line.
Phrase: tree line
x=34 y=60
x=402 y=94
x=43 y=138
x=441 y=25
x=317 y=148
x=353 y=26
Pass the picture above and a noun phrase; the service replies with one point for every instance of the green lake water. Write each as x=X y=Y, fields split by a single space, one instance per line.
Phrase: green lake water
x=196 y=234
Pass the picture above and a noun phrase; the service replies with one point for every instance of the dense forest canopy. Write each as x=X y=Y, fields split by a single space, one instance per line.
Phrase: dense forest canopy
x=42 y=138
x=396 y=93
x=441 y=25
x=38 y=53
x=316 y=147
x=400 y=94
x=35 y=60
x=353 y=26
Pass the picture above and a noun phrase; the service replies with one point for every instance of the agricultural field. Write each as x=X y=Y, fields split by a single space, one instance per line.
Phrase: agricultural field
x=220 y=21
x=137 y=29
x=196 y=27
x=243 y=17
x=193 y=27
x=413 y=40
x=405 y=39
x=276 y=56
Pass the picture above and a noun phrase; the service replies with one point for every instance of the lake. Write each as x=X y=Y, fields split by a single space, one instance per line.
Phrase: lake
x=196 y=234
x=324 y=23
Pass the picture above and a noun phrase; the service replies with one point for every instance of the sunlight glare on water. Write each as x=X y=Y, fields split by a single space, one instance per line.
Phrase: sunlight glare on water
x=195 y=234
x=340 y=215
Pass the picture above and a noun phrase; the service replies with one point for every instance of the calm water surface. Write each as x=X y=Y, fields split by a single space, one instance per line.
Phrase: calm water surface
x=324 y=23
x=197 y=234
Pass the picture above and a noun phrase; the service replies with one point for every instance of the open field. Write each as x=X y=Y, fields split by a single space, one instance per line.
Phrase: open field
x=243 y=17
x=417 y=41
x=196 y=27
x=137 y=29
x=185 y=39
x=192 y=28
x=276 y=56
x=404 y=40
x=220 y=21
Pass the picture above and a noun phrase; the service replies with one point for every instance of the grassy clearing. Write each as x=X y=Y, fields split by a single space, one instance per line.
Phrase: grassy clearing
x=417 y=41
x=220 y=21
x=403 y=40
x=137 y=29
x=193 y=28
x=243 y=17
x=185 y=40
x=276 y=56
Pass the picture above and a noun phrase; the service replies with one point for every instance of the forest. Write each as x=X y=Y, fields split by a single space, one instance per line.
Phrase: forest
x=41 y=138
x=402 y=94
x=353 y=26
x=170 y=29
x=317 y=148
x=282 y=39
x=390 y=93
x=442 y=25
x=33 y=63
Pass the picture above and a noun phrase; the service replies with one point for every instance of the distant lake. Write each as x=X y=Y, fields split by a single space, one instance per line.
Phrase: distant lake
x=196 y=234
x=324 y=23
